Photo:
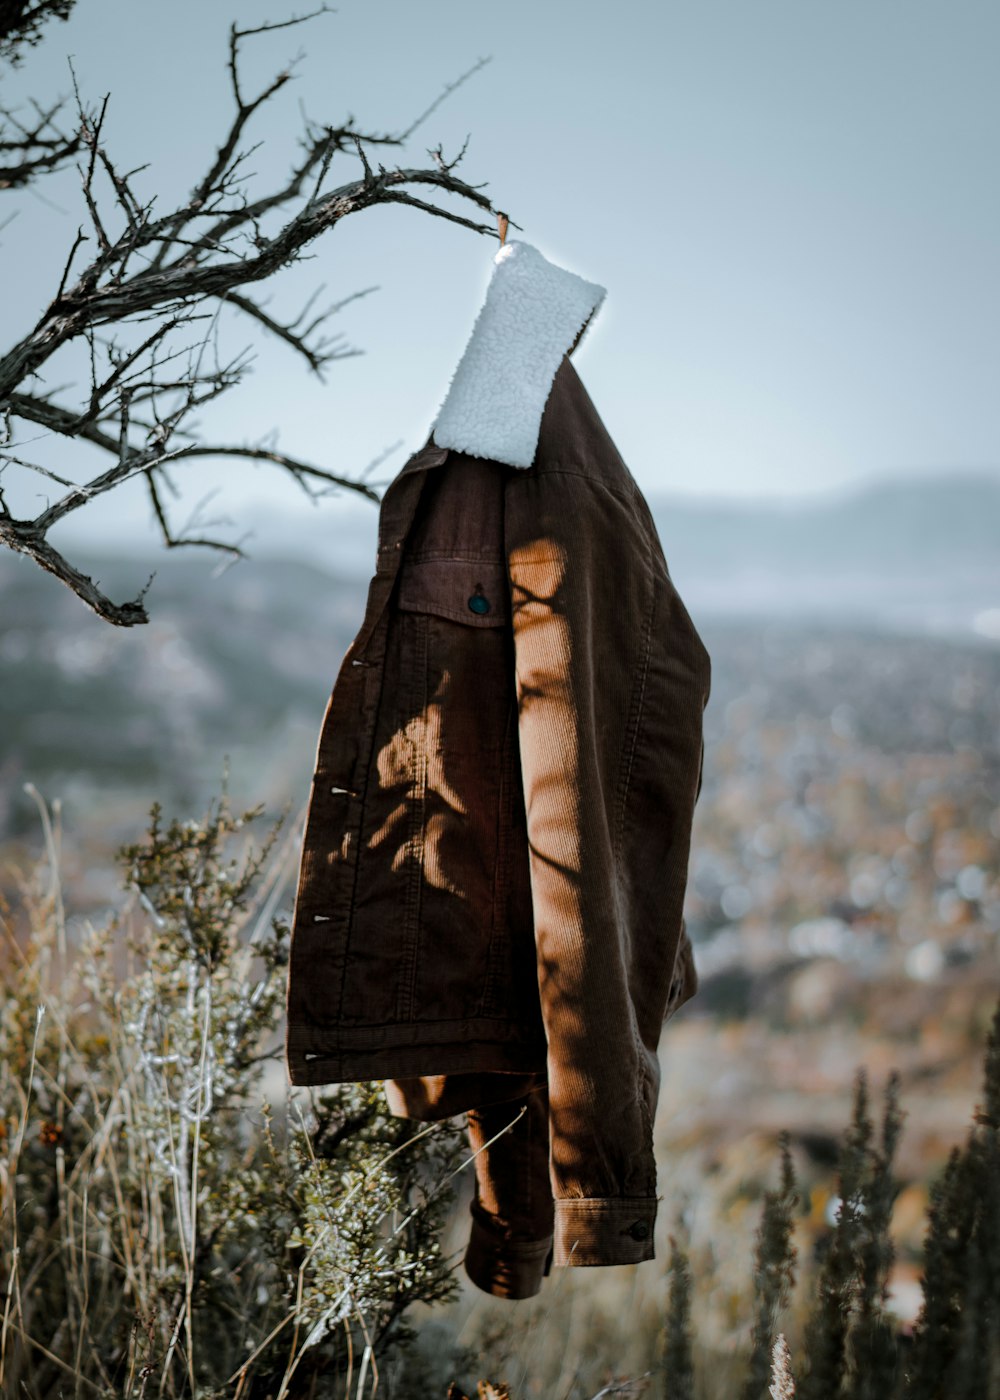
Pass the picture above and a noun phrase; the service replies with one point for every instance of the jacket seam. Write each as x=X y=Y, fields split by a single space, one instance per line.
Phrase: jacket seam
x=411 y=924
x=494 y=1021
x=451 y=614
x=647 y=1120
x=503 y=864
x=508 y=757
x=626 y=496
x=634 y=725
x=632 y=743
x=463 y=556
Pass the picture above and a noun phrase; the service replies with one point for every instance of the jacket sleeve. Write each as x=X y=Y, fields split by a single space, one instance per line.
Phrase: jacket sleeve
x=611 y=683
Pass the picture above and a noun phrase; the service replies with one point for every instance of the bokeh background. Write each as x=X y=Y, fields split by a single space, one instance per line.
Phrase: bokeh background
x=793 y=210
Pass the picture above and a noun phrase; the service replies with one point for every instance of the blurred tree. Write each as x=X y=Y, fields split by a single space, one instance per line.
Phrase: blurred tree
x=170 y=270
x=21 y=24
x=28 y=149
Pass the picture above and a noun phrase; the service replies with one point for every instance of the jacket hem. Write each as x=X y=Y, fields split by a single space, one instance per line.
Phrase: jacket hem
x=312 y=1059
x=595 y=1231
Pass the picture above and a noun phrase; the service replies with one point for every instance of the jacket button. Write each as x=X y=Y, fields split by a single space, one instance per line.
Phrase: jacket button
x=639 y=1229
x=479 y=604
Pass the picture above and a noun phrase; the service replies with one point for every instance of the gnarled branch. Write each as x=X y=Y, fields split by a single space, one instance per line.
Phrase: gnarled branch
x=180 y=267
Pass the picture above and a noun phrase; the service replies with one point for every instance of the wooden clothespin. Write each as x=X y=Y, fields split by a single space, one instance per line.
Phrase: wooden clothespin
x=502 y=222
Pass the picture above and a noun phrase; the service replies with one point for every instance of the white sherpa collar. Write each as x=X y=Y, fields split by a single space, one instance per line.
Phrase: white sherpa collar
x=531 y=317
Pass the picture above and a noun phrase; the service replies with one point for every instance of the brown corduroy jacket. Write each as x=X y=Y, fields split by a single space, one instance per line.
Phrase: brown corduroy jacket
x=489 y=908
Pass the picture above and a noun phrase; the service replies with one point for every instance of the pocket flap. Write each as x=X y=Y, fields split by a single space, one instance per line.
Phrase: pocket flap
x=462 y=590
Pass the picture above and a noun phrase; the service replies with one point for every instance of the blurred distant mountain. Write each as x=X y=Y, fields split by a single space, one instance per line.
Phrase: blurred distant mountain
x=920 y=553
x=888 y=526
x=914 y=553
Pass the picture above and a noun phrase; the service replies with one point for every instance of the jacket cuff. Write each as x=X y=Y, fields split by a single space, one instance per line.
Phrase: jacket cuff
x=506 y=1268
x=615 y=1230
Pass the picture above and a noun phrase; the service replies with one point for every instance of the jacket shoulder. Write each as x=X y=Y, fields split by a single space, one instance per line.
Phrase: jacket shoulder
x=575 y=441
x=573 y=437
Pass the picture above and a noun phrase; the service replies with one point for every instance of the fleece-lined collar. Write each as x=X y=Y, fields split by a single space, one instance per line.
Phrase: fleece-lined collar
x=534 y=314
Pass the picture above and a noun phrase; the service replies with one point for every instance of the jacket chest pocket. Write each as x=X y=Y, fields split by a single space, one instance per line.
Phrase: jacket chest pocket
x=472 y=593
x=456 y=657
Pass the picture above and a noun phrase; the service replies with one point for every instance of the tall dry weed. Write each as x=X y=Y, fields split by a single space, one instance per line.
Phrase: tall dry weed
x=165 y=1230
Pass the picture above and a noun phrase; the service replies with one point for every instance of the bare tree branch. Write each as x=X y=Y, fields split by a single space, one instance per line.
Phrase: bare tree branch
x=317 y=356
x=28 y=151
x=448 y=89
x=173 y=542
x=36 y=547
x=38 y=411
x=184 y=266
x=21 y=23
x=221 y=168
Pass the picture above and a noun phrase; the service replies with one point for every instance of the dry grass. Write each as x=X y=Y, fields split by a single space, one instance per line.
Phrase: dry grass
x=163 y=1230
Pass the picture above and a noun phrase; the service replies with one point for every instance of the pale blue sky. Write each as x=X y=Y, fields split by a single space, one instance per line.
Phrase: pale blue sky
x=793 y=206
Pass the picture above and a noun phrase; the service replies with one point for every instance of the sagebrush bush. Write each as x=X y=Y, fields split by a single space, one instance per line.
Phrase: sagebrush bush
x=162 y=1231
